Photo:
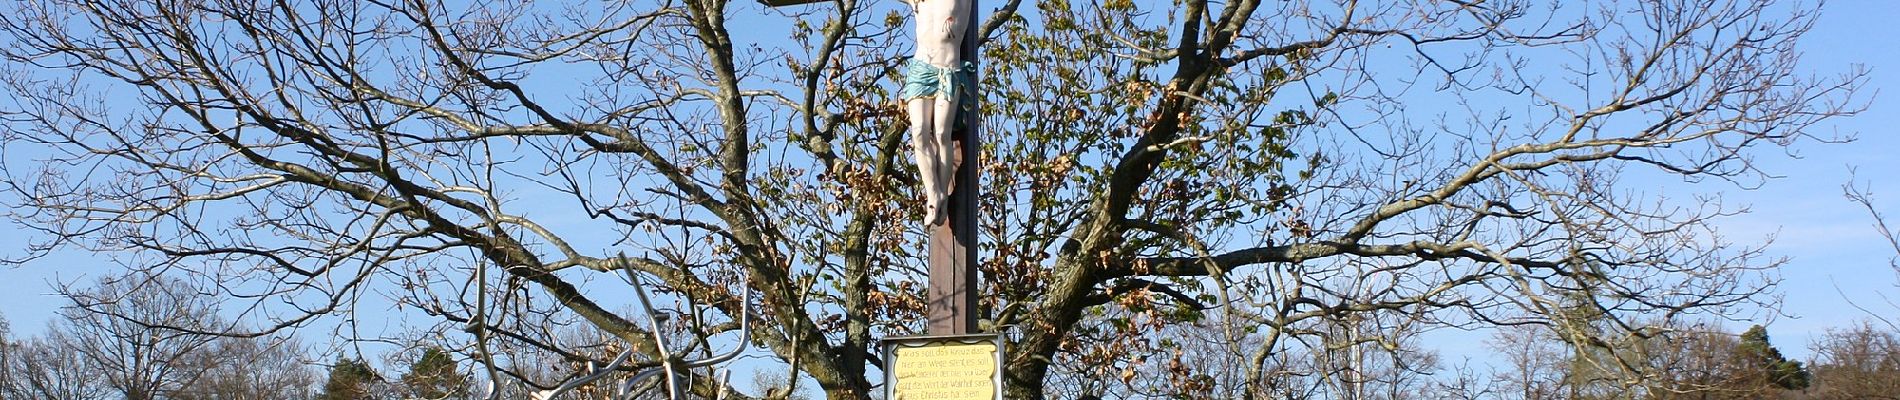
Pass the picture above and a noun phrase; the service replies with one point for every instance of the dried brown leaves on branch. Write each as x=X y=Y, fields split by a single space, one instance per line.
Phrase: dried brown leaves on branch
x=1289 y=181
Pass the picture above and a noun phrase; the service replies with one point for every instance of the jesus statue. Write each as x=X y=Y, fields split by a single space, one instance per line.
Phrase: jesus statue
x=935 y=84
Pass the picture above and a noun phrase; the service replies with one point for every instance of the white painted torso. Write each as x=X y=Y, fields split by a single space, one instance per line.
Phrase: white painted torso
x=940 y=28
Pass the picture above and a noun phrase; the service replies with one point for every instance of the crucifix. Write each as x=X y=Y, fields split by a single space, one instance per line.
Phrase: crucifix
x=940 y=97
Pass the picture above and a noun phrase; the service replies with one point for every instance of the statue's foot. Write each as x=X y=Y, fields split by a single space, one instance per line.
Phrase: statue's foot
x=933 y=213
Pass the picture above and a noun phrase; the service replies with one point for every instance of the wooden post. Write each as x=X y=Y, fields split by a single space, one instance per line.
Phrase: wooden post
x=951 y=302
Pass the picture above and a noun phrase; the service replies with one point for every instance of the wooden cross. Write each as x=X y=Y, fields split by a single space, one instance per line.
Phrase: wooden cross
x=950 y=303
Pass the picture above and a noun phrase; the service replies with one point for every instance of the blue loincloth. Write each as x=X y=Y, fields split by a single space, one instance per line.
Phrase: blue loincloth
x=922 y=80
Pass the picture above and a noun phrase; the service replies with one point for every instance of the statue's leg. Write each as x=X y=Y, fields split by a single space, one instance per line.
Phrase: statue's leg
x=924 y=150
x=943 y=124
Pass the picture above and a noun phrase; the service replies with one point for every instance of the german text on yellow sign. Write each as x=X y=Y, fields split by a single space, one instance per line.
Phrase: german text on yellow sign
x=946 y=370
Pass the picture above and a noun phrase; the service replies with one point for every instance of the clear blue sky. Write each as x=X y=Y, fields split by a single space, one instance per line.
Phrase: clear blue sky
x=1837 y=257
x=1836 y=254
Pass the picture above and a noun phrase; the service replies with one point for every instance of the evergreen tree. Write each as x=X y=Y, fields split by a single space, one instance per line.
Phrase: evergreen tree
x=435 y=376
x=350 y=379
x=1782 y=372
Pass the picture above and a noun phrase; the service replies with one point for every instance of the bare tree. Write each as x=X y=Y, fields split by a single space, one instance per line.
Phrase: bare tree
x=117 y=341
x=1864 y=196
x=263 y=368
x=7 y=347
x=1701 y=362
x=1857 y=362
x=1683 y=361
x=1535 y=363
x=48 y=368
x=1272 y=165
x=142 y=333
x=1863 y=360
x=1283 y=165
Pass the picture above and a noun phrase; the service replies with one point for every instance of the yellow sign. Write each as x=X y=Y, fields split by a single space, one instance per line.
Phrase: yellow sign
x=945 y=370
